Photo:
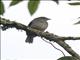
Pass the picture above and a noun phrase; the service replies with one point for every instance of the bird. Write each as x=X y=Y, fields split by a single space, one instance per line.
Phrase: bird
x=40 y=24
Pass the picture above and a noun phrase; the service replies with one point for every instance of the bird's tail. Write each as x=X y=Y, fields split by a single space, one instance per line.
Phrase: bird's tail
x=29 y=39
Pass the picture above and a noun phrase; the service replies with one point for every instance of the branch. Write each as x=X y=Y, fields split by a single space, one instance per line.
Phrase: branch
x=5 y=24
x=68 y=49
x=69 y=38
x=11 y=24
x=53 y=46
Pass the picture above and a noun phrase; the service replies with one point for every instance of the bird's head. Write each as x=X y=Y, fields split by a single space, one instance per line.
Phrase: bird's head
x=43 y=18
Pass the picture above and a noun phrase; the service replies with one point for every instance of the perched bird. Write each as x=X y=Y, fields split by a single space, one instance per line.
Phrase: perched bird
x=40 y=24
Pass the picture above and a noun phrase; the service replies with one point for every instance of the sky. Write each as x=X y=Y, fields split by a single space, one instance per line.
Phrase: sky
x=63 y=17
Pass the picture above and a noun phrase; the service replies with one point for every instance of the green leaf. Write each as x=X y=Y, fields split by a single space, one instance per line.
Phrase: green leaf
x=57 y=1
x=67 y=58
x=75 y=3
x=77 y=22
x=1 y=8
x=14 y=2
x=78 y=17
x=33 y=5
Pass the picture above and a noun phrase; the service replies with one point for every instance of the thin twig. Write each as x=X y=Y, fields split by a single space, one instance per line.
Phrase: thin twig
x=53 y=46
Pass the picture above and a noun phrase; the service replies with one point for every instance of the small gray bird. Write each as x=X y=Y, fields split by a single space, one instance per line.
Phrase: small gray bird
x=39 y=23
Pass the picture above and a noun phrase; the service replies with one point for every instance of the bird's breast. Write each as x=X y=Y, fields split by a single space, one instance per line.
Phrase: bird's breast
x=39 y=25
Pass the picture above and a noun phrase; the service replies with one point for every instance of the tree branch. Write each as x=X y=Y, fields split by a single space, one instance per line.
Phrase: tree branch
x=5 y=24
x=68 y=49
x=69 y=38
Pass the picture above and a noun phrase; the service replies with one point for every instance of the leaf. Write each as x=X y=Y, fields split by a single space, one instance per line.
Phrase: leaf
x=1 y=8
x=77 y=22
x=67 y=58
x=14 y=2
x=57 y=1
x=33 y=5
x=75 y=3
x=69 y=0
x=78 y=17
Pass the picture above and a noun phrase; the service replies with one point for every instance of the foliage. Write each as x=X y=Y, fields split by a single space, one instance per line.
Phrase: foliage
x=14 y=2
x=74 y=4
x=77 y=22
x=67 y=58
x=57 y=1
x=32 y=6
x=1 y=8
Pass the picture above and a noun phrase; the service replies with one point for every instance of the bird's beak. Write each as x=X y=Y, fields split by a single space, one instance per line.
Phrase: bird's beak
x=49 y=19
